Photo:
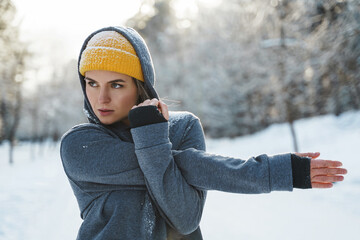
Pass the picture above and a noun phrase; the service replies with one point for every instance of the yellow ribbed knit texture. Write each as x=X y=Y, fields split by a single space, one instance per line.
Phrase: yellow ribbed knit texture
x=110 y=51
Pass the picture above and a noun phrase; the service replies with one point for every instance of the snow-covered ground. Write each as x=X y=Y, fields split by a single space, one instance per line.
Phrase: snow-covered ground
x=36 y=201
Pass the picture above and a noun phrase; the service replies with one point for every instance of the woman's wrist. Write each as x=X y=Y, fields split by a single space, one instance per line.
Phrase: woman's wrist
x=301 y=171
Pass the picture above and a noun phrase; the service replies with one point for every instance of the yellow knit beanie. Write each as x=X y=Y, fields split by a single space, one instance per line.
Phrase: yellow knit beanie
x=110 y=51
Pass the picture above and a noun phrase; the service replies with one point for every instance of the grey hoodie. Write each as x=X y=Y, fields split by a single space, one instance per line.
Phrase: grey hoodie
x=150 y=182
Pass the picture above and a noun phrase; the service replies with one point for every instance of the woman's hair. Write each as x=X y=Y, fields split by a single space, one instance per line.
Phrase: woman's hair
x=142 y=93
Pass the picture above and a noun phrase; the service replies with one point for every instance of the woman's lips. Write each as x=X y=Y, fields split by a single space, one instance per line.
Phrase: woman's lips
x=105 y=112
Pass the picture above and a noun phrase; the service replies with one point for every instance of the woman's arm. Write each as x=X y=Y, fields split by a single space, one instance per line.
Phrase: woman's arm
x=99 y=161
x=178 y=202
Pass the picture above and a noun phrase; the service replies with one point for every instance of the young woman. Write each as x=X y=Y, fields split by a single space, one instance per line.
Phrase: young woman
x=139 y=171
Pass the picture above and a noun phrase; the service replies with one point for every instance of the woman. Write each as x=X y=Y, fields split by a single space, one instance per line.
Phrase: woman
x=139 y=171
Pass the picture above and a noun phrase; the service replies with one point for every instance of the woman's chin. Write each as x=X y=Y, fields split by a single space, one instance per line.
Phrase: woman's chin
x=107 y=121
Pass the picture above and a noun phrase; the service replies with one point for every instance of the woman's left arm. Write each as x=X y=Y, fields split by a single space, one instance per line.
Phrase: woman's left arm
x=179 y=203
x=175 y=187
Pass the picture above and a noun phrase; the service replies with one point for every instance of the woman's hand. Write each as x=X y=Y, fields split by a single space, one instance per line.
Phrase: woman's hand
x=324 y=173
x=162 y=107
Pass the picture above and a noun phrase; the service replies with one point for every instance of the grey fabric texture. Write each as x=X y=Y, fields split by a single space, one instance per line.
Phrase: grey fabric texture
x=150 y=182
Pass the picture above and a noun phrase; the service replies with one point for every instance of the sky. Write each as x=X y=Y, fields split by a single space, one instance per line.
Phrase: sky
x=54 y=30
x=68 y=22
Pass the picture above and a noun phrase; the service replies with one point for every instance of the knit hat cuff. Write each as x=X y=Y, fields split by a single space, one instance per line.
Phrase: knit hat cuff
x=97 y=58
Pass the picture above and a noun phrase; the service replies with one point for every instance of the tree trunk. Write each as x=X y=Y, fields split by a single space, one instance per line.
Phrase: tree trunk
x=282 y=70
x=294 y=138
x=15 y=124
x=2 y=119
x=11 y=152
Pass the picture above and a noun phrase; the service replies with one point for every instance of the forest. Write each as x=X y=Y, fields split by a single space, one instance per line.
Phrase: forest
x=240 y=66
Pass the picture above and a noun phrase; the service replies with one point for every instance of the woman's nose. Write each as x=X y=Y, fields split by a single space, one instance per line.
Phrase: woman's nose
x=104 y=96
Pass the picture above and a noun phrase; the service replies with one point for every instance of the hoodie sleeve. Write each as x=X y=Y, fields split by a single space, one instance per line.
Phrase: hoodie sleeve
x=261 y=174
x=174 y=177
x=179 y=203
x=98 y=161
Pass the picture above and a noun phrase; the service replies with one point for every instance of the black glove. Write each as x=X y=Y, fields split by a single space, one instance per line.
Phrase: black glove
x=301 y=171
x=145 y=115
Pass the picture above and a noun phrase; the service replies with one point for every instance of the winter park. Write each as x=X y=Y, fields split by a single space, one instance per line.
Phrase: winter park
x=272 y=77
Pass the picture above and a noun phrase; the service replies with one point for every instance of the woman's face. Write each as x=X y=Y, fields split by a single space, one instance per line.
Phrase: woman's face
x=111 y=95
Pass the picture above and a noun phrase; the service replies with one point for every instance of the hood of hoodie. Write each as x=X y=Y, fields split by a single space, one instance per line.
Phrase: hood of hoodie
x=143 y=54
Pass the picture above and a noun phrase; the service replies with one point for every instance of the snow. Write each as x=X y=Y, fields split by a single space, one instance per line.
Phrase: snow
x=36 y=201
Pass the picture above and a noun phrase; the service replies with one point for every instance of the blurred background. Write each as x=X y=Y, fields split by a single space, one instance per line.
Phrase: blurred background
x=242 y=66
x=238 y=65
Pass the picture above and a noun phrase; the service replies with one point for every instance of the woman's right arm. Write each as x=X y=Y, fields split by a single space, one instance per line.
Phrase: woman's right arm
x=99 y=160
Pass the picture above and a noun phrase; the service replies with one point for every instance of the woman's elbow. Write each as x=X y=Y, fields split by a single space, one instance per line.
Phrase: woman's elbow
x=188 y=225
x=189 y=221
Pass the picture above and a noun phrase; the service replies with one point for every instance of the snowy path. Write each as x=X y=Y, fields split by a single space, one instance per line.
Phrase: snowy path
x=36 y=201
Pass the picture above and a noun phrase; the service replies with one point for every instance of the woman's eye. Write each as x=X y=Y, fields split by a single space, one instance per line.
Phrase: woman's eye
x=92 y=84
x=116 y=85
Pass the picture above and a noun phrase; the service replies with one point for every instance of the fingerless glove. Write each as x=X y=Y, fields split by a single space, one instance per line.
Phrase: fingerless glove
x=145 y=115
x=301 y=171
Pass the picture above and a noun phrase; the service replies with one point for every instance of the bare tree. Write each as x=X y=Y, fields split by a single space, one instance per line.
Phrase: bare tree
x=12 y=57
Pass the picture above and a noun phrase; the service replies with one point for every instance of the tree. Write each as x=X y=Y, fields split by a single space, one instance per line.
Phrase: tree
x=12 y=56
x=54 y=106
x=247 y=64
x=335 y=46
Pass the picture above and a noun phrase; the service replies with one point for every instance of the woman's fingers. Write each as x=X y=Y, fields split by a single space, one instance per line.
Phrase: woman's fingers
x=164 y=110
x=309 y=154
x=324 y=173
x=162 y=107
x=327 y=171
x=147 y=102
x=327 y=179
x=325 y=163
x=321 y=185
